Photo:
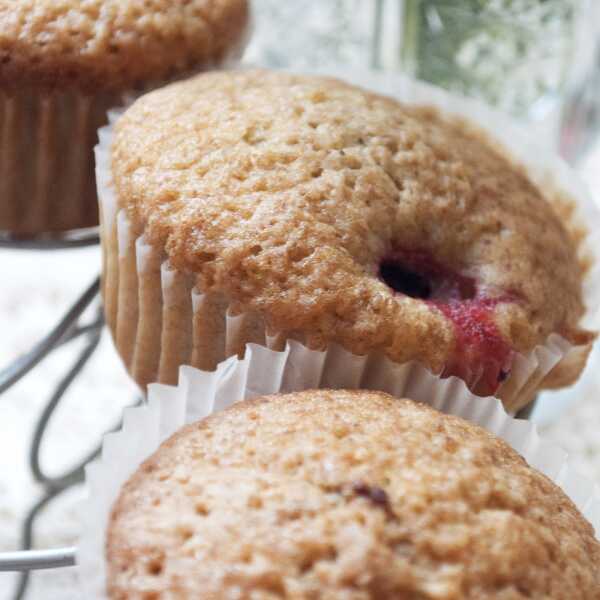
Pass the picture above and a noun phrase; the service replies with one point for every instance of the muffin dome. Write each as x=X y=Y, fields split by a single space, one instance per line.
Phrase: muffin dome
x=351 y=495
x=338 y=215
x=113 y=44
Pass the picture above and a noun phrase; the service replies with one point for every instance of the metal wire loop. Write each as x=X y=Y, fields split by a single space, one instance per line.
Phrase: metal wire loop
x=67 y=329
x=75 y=474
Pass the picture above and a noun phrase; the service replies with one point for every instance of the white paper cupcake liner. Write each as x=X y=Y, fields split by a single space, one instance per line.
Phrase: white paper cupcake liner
x=160 y=321
x=264 y=371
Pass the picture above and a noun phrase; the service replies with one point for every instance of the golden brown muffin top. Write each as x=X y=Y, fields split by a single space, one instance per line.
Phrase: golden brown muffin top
x=113 y=44
x=345 y=495
x=345 y=216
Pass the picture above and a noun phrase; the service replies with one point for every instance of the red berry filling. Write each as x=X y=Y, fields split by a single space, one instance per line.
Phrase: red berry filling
x=482 y=357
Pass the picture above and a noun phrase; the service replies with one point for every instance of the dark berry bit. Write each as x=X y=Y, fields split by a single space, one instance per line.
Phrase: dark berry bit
x=374 y=494
x=503 y=375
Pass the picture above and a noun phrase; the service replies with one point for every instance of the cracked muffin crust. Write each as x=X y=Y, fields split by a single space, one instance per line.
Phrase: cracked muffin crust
x=338 y=215
x=345 y=495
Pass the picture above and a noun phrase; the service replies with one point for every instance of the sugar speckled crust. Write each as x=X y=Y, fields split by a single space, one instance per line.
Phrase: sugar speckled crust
x=113 y=44
x=283 y=193
x=345 y=495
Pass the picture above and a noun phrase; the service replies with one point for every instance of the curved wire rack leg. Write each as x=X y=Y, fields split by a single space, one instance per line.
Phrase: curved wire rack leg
x=67 y=329
x=55 y=485
x=76 y=474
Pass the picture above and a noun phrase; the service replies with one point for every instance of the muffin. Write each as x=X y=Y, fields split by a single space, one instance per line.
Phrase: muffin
x=353 y=495
x=63 y=64
x=258 y=206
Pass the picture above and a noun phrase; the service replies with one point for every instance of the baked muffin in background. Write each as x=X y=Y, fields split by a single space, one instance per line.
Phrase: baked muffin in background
x=353 y=495
x=324 y=213
x=63 y=64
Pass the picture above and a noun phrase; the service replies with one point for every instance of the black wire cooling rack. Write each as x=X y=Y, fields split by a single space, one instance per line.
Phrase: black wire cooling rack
x=72 y=326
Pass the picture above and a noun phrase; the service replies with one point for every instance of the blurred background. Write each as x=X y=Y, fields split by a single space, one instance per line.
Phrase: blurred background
x=536 y=60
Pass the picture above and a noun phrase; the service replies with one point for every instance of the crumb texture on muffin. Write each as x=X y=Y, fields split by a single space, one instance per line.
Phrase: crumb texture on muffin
x=113 y=44
x=345 y=495
x=349 y=217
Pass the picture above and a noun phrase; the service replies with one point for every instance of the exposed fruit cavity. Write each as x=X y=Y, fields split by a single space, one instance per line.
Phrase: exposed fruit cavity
x=482 y=357
x=417 y=275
